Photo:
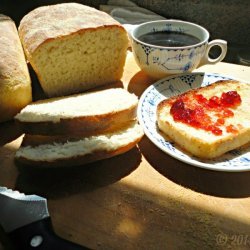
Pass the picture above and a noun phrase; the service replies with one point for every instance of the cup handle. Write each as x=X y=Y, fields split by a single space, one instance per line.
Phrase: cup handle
x=218 y=42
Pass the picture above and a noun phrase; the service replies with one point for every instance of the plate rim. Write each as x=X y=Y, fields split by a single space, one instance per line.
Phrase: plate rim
x=194 y=162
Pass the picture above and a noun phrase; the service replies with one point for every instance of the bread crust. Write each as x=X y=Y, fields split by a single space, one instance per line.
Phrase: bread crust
x=55 y=21
x=79 y=160
x=15 y=83
x=110 y=110
x=84 y=126
x=79 y=156
x=209 y=146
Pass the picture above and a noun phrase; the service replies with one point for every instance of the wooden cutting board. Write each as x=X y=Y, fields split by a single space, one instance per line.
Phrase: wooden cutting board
x=143 y=199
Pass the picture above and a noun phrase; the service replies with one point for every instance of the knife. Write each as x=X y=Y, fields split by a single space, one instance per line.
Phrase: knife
x=26 y=221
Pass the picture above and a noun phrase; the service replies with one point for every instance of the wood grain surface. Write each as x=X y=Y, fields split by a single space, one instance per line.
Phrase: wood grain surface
x=143 y=199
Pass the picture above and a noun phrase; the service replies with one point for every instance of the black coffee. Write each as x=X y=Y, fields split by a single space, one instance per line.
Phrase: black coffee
x=169 y=39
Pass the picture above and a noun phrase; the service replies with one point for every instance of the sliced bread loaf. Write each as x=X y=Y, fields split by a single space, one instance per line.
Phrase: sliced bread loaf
x=209 y=121
x=84 y=114
x=73 y=47
x=68 y=151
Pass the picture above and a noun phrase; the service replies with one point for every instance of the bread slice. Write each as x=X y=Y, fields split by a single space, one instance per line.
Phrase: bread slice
x=84 y=114
x=15 y=83
x=219 y=134
x=73 y=47
x=69 y=151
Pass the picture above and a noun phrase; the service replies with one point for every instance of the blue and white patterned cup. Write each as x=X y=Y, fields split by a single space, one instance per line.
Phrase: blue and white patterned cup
x=161 y=61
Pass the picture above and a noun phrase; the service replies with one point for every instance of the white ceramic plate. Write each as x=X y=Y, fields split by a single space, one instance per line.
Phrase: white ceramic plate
x=233 y=161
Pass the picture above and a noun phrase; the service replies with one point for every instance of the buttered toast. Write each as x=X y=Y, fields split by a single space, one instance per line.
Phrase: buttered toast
x=209 y=121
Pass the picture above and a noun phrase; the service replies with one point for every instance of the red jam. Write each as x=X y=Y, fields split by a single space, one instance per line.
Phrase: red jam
x=196 y=110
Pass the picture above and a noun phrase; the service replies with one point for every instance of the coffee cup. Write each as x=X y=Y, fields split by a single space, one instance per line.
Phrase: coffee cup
x=167 y=47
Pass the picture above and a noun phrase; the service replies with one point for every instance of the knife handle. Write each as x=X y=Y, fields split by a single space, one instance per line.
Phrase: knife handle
x=40 y=235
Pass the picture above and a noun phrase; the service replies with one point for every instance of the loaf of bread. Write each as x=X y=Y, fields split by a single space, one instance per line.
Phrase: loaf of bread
x=73 y=47
x=71 y=151
x=85 y=114
x=15 y=83
x=209 y=121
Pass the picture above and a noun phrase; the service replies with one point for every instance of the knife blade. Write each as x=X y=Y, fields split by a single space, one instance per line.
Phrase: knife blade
x=26 y=221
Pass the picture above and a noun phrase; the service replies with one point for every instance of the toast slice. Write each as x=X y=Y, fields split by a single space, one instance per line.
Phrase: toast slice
x=86 y=114
x=204 y=121
x=55 y=151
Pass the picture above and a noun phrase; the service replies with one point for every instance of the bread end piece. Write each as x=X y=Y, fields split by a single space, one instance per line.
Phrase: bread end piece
x=15 y=82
